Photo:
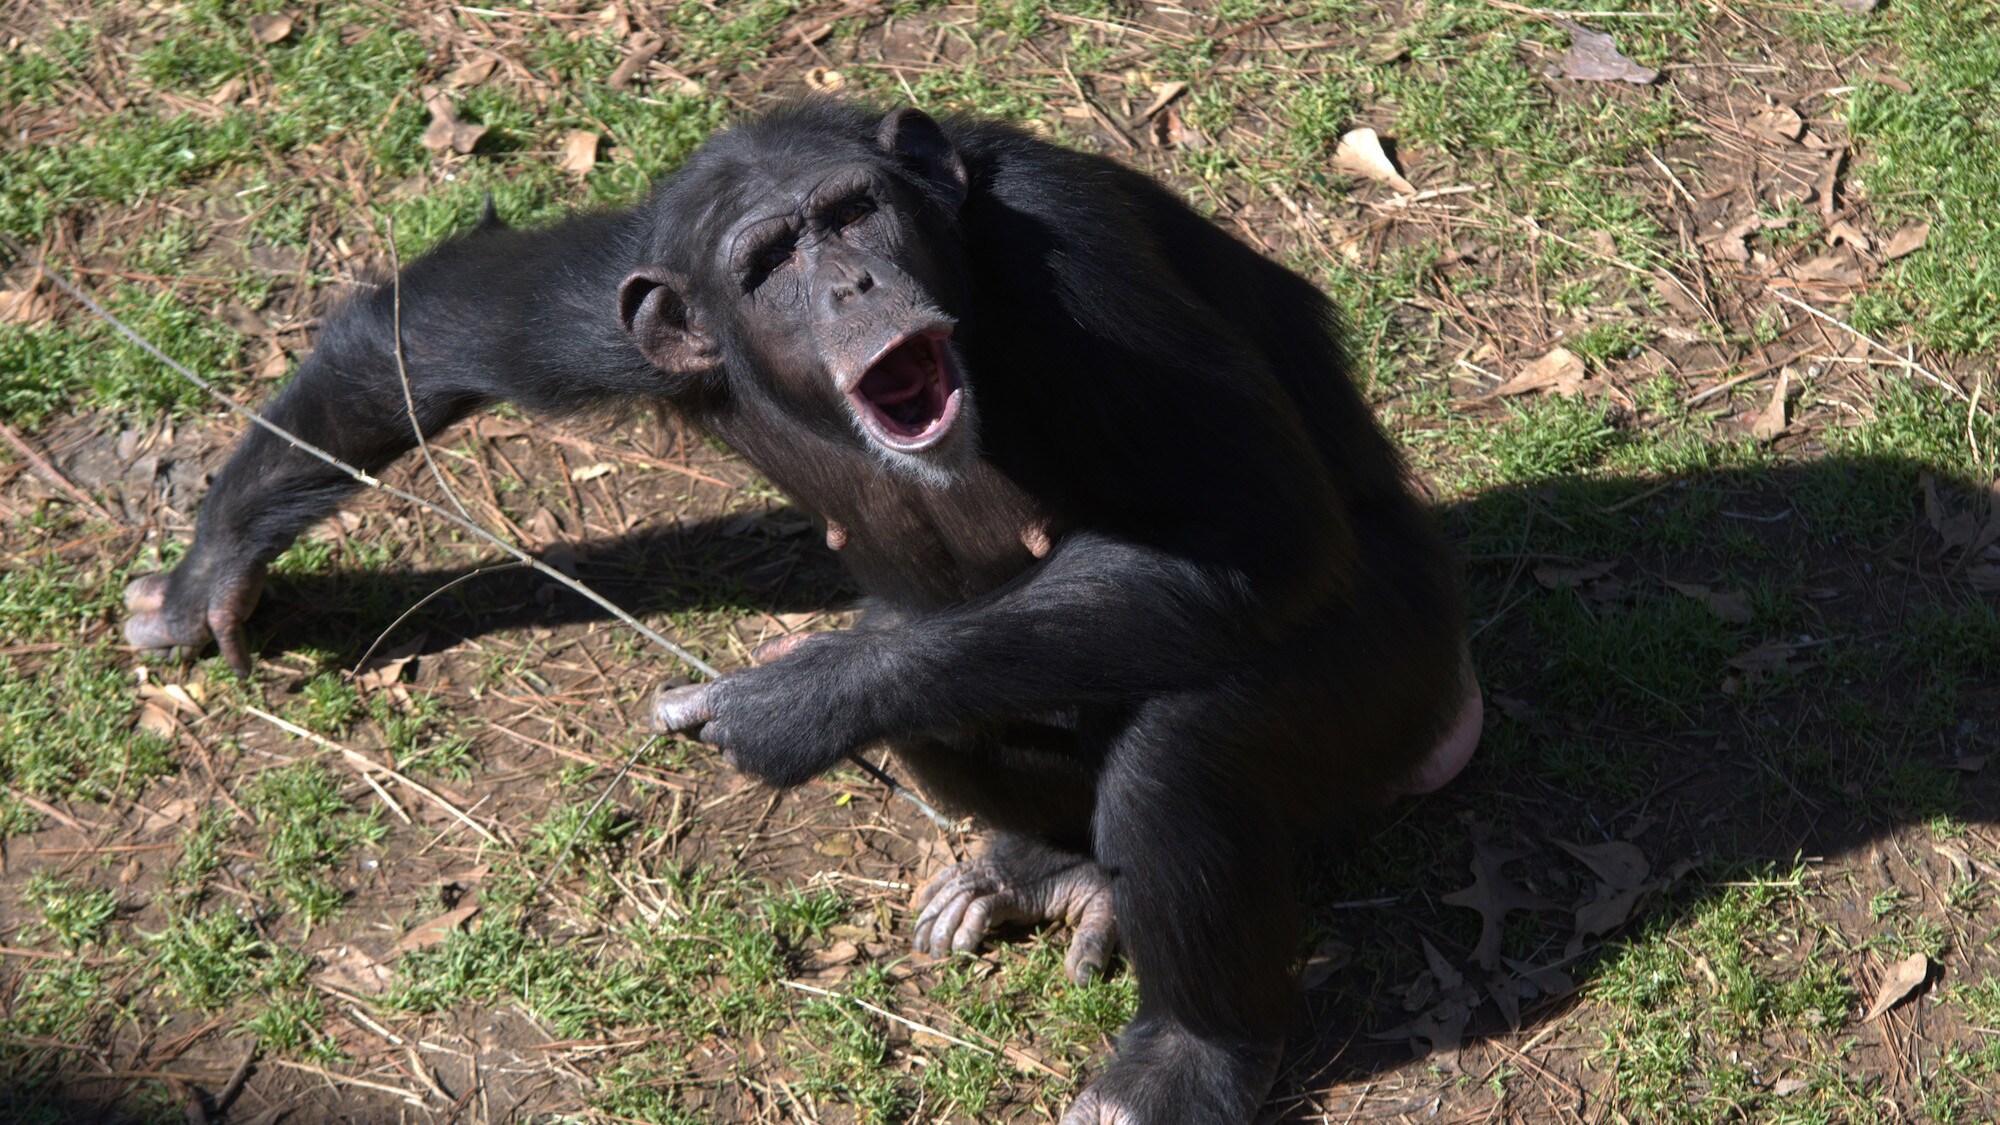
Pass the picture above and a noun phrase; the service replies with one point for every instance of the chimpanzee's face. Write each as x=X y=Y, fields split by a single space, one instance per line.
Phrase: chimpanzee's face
x=838 y=303
x=827 y=283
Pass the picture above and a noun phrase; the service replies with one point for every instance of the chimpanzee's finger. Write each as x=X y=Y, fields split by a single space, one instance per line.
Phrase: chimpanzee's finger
x=230 y=639
x=682 y=708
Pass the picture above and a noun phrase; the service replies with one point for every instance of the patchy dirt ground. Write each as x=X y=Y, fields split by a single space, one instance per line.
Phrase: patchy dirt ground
x=1729 y=847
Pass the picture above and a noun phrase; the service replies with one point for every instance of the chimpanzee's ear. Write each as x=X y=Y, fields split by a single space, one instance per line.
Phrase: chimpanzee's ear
x=913 y=138
x=654 y=307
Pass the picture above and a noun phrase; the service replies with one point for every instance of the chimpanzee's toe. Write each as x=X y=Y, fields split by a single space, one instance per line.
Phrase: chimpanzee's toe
x=962 y=904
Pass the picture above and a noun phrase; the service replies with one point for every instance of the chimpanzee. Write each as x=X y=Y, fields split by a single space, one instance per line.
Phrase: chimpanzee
x=1144 y=587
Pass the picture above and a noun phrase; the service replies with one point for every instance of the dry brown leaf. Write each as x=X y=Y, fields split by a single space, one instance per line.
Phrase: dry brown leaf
x=385 y=670
x=1446 y=1002
x=1838 y=268
x=1731 y=607
x=1328 y=959
x=1622 y=866
x=592 y=472
x=438 y=929
x=1971 y=763
x=1171 y=130
x=350 y=970
x=1903 y=979
x=1360 y=152
x=1962 y=531
x=169 y=813
x=26 y=307
x=579 y=152
x=836 y=847
x=1779 y=123
x=1908 y=240
x=157 y=720
x=1554 y=577
x=1826 y=185
x=447 y=132
x=825 y=80
x=1773 y=421
x=270 y=29
x=1840 y=230
x=833 y=956
x=1593 y=57
x=1561 y=372
x=1786 y=1087
x=1770 y=657
x=1493 y=896
x=471 y=72
x=1162 y=94
x=173 y=696
x=229 y=93
x=617 y=25
x=1601 y=916
x=1731 y=244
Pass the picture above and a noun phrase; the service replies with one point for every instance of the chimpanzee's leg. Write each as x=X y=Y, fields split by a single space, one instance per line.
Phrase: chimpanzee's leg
x=530 y=316
x=1201 y=880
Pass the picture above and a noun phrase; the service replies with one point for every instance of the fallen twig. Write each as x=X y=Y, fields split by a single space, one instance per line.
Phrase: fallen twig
x=51 y=474
x=1904 y=362
x=367 y=763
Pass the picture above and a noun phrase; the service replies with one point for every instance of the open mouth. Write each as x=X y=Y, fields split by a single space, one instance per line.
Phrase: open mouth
x=908 y=397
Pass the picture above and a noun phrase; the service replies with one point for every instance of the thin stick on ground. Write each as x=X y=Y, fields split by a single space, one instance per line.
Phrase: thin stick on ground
x=368 y=480
x=1902 y=361
x=421 y=603
x=50 y=473
x=603 y=795
x=365 y=763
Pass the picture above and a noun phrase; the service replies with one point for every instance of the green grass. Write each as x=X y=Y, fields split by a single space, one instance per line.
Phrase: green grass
x=1695 y=1002
x=1623 y=712
x=1927 y=162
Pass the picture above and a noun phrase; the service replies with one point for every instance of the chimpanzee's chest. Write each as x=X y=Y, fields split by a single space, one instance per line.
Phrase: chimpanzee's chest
x=918 y=547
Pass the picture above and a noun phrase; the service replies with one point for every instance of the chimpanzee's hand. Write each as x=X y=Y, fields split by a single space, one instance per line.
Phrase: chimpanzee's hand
x=183 y=608
x=786 y=722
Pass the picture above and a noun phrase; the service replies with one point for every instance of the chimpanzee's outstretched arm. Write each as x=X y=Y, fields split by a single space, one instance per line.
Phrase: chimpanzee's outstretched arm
x=1101 y=620
x=497 y=314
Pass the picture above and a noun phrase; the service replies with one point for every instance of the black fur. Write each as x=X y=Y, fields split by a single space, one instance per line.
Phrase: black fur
x=1246 y=624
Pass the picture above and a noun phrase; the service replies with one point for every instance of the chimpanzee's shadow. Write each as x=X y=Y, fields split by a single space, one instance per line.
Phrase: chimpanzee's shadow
x=1614 y=709
x=714 y=564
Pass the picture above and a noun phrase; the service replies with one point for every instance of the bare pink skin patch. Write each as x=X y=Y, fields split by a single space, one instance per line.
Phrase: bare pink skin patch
x=777 y=648
x=1452 y=752
x=1035 y=537
x=836 y=536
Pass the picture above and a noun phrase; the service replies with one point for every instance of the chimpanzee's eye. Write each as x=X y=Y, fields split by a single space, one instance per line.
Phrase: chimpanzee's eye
x=773 y=257
x=851 y=212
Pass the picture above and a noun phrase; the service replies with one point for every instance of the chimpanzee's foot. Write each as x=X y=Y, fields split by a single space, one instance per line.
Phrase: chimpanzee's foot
x=182 y=610
x=1165 y=1075
x=1020 y=881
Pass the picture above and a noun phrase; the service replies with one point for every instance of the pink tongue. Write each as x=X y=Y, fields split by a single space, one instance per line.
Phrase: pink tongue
x=902 y=390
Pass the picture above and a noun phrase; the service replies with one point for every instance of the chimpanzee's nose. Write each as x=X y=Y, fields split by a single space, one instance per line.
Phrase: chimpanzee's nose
x=857 y=282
